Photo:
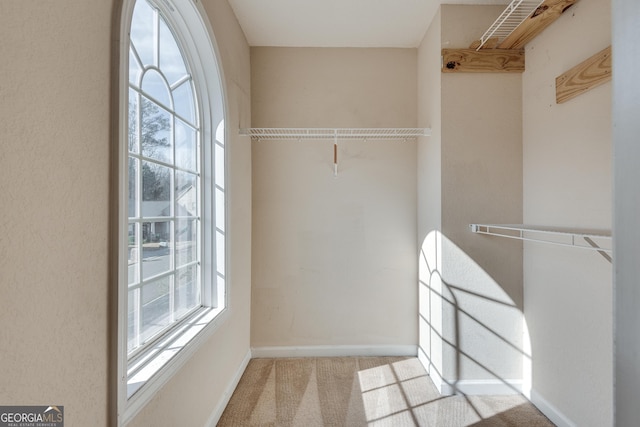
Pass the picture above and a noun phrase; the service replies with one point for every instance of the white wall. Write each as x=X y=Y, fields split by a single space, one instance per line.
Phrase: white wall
x=54 y=236
x=429 y=185
x=567 y=183
x=471 y=285
x=626 y=151
x=334 y=257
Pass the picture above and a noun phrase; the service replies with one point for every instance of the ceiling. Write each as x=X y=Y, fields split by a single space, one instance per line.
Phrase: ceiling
x=338 y=23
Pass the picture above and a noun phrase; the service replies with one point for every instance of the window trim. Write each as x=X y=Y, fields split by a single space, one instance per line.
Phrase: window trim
x=193 y=32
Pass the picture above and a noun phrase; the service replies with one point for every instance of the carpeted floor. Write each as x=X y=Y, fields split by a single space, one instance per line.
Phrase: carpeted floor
x=362 y=391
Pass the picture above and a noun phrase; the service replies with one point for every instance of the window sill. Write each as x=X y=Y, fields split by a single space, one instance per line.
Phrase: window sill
x=151 y=370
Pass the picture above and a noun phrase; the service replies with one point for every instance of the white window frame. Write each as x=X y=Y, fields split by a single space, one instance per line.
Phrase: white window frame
x=140 y=378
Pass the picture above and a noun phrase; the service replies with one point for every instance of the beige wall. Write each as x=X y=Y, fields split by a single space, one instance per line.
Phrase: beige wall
x=333 y=257
x=567 y=183
x=563 y=170
x=54 y=184
x=54 y=167
x=481 y=152
x=471 y=285
x=430 y=115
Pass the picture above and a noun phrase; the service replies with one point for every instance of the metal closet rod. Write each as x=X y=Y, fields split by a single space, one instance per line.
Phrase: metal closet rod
x=333 y=133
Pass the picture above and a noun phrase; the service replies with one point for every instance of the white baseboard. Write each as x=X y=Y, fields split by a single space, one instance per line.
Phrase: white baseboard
x=470 y=387
x=224 y=400
x=424 y=360
x=551 y=412
x=334 y=351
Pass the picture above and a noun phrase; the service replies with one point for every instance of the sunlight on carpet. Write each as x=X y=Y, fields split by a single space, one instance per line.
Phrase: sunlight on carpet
x=362 y=391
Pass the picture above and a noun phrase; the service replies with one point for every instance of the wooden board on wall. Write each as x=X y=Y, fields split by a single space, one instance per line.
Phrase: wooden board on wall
x=585 y=76
x=483 y=61
x=492 y=43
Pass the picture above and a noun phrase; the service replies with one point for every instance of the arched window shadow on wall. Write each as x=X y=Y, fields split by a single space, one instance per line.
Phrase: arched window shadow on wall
x=473 y=338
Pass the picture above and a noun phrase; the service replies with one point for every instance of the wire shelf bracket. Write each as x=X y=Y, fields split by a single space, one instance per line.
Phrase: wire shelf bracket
x=596 y=240
x=511 y=17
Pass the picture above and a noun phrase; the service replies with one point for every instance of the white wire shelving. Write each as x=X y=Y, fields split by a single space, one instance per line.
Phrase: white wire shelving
x=596 y=240
x=404 y=134
x=334 y=133
x=513 y=15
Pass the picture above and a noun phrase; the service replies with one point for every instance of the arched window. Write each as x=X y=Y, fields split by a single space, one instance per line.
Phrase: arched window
x=172 y=250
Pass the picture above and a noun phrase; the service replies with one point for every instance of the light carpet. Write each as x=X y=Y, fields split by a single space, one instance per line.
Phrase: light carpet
x=362 y=391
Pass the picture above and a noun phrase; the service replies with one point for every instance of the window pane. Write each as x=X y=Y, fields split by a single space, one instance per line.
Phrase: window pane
x=186 y=146
x=132 y=319
x=155 y=307
x=155 y=131
x=220 y=210
x=183 y=99
x=186 y=241
x=154 y=85
x=156 y=248
x=166 y=180
x=133 y=121
x=132 y=199
x=156 y=190
x=220 y=255
x=219 y=293
x=134 y=69
x=143 y=32
x=134 y=254
x=187 y=294
x=171 y=62
x=186 y=194
x=220 y=133
x=219 y=169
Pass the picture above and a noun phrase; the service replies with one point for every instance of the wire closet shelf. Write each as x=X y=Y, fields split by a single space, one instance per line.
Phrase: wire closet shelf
x=514 y=14
x=334 y=133
x=596 y=240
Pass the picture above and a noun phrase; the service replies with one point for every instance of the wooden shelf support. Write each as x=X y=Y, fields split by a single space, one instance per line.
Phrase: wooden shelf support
x=482 y=61
x=590 y=73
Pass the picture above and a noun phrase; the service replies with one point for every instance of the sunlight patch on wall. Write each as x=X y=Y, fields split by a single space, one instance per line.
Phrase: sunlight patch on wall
x=473 y=337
